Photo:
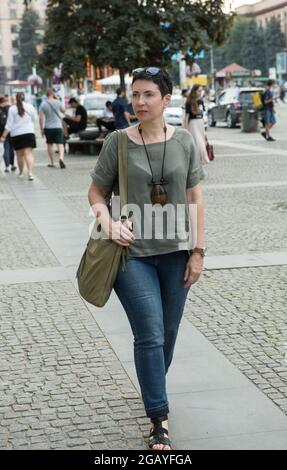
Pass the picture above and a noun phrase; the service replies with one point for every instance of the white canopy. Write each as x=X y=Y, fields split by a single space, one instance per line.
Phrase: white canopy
x=115 y=80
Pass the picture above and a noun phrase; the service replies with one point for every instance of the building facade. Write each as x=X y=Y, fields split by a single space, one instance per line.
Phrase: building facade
x=11 y=12
x=264 y=10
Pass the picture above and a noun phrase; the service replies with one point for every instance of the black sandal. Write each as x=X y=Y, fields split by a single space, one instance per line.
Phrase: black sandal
x=157 y=434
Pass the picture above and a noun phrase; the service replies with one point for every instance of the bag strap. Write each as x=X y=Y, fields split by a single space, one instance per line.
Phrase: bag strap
x=55 y=111
x=123 y=183
x=123 y=169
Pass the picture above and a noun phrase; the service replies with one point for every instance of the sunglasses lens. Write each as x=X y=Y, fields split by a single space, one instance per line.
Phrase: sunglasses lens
x=150 y=70
x=153 y=70
x=139 y=70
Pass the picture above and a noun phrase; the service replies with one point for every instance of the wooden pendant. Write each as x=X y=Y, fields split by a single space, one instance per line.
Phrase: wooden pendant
x=158 y=194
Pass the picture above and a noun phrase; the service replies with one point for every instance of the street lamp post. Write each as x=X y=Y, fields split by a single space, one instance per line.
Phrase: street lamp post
x=212 y=67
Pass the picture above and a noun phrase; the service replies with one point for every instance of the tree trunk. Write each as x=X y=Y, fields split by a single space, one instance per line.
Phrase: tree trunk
x=122 y=79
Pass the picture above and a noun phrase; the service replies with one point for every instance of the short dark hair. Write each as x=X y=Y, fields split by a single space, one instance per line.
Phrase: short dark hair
x=162 y=79
x=119 y=91
x=108 y=103
x=270 y=82
x=73 y=100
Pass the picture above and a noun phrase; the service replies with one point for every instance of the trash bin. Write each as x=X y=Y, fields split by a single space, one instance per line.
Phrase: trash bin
x=249 y=120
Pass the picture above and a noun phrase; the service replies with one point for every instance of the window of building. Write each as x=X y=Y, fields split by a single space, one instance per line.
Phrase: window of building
x=15 y=59
x=13 y=14
x=14 y=28
x=15 y=43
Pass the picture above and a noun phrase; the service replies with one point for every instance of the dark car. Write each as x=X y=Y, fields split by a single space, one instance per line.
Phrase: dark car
x=229 y=105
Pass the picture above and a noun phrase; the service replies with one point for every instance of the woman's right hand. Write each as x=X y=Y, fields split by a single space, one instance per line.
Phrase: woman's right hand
x=121 y=234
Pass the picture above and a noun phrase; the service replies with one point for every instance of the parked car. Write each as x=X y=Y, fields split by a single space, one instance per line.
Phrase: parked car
x=95 y=104
x=174 y=112
x=229 y=105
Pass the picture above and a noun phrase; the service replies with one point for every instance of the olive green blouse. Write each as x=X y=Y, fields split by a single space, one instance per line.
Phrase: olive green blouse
x=158 y=230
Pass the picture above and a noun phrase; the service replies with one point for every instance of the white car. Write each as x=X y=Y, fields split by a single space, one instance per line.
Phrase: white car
x=174 y=113
x=95 y=103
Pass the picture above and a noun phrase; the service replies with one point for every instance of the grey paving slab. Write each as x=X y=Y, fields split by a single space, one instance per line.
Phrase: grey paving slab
x=21 y=276
x=268 y=184
x=61 y=229
x=274 y=440
x=248 y=260
x=206 y=414
x=250 y=148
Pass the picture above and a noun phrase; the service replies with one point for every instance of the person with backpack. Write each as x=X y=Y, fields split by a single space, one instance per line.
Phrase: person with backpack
x=8 y=154
x=21 y=126
x=51 y=126
x=268 y=110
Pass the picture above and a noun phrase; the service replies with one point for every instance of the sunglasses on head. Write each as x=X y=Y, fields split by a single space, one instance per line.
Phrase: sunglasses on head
x=150 y=70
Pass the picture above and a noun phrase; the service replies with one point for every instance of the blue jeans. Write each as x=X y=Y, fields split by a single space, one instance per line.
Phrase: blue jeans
x=269 y=117
x=153 y=295
x=8 y=152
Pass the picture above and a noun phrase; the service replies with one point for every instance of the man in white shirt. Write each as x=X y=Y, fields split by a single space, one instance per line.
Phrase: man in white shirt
x=107 y=120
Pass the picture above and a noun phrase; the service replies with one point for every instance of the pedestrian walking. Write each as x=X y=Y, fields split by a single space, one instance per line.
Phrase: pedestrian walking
x=51 y=126
x=78 y=122
x=193 y=121
x=21 y=125
x=107 y=120
x=120 y=110
x=282 y=91
x=8 y=154
x=268 y=99
x=163 y=165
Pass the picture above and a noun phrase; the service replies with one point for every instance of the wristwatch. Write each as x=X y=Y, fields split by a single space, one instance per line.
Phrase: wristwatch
x=201 y=251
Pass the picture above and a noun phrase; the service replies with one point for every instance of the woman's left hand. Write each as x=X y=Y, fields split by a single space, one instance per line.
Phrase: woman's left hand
x=193 y=270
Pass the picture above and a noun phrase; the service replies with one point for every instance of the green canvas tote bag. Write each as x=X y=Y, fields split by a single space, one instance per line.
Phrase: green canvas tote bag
x=99 y=265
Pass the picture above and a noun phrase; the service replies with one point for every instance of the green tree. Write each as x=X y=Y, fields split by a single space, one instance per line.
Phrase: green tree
x=253 y=47
x=234 y=52
x=128 y=34
x=275 y=41
x=28 y=39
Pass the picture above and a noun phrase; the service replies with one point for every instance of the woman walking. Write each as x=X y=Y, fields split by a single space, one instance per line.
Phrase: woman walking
x=193 y=121
x=21 y=126
x=163 y=165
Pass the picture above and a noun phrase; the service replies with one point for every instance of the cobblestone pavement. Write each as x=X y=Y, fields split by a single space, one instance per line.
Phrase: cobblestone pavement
x=62 y=386
x=243 y=313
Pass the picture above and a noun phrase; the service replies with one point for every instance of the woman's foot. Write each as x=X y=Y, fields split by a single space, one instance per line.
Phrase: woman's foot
x=62 y=164
x=30 y=177
x=13 y=168
x=158 y=439
x=6 y=170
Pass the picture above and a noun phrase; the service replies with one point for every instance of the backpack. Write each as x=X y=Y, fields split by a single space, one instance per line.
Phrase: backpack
x=257 y=100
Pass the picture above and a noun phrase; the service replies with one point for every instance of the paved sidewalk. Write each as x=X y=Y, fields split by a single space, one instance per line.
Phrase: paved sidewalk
x=67 y=374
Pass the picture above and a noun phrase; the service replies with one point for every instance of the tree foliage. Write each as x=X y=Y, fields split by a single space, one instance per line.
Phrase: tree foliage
x=128 y=34
x=28 y=39
x=249 y=45
x=275 y=41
